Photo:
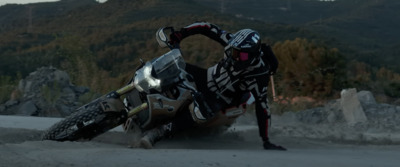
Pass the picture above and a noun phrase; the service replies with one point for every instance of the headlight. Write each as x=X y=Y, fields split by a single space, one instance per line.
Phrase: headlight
x=144 y=81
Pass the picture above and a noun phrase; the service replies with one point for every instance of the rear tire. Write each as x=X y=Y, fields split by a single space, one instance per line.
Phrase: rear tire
x=88 y=122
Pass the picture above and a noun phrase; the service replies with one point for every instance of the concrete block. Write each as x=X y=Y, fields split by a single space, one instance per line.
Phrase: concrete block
x=351 y=106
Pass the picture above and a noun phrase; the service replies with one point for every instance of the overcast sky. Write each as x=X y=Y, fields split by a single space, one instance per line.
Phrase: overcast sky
x=3 y=2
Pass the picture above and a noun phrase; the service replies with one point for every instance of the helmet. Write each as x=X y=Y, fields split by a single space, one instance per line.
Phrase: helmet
x=243 y=48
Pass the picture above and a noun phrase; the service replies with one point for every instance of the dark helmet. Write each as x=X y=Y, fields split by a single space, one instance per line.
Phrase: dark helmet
x=243 y=48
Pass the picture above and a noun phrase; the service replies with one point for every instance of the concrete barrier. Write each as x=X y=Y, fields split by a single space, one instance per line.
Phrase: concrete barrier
x=351 y=106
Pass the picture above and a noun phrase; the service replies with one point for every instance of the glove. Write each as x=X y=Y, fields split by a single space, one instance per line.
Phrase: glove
x=175 y=38
x=269 y=146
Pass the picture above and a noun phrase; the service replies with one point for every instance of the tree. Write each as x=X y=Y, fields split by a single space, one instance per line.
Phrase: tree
x=306 y=69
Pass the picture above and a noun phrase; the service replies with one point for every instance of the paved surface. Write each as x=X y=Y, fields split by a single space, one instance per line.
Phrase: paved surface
x=20 y=145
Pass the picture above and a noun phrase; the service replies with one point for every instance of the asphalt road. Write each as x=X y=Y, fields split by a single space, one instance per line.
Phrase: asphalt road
x=20 y=145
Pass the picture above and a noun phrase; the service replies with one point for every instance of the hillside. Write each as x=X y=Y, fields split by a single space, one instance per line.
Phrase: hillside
x=367 y=30
x=115 y=31
x=16 y=16
x=107 y=40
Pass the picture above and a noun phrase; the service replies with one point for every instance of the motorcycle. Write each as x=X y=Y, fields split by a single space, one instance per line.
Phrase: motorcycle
x=159 y=91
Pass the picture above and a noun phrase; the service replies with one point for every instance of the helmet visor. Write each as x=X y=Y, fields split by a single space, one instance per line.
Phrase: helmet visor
x=241 y=59
x=241 y=56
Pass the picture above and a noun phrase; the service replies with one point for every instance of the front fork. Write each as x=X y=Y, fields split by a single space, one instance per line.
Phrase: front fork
x=127 y=89
x=137 y=109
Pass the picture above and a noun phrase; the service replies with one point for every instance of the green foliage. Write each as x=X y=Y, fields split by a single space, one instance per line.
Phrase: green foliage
x=392 y=89
x=360 y=74
x=51 y=93
x=6 y=87
x=386 y=74
x=381 y=81
x=365 y=30
x=100 y=46
x=306 y=69
x=80 y=63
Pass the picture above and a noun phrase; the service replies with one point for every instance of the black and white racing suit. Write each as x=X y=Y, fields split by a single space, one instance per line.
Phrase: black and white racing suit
x=222 y=86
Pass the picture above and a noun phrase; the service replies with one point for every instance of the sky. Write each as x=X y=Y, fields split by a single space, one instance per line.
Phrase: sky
x=3 y=2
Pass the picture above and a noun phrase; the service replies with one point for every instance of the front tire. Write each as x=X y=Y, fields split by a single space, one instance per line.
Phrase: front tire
x=88 y=122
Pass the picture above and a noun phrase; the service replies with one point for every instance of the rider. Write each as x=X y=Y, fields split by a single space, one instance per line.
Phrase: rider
x=246 y=67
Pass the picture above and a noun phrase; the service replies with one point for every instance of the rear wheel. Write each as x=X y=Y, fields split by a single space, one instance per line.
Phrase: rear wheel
x=88 y=122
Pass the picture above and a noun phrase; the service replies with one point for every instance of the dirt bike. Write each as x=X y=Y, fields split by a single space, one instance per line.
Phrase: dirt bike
x=159 y=91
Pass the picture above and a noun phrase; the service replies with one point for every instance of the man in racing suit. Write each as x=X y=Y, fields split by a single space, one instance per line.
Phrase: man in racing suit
x=246 y=67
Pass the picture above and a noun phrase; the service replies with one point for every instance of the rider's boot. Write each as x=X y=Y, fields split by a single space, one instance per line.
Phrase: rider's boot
x=151 y=137
x=270 y=146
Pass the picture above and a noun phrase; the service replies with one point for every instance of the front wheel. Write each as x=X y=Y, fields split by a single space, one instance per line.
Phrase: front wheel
x=88 y=122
